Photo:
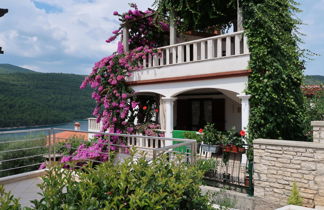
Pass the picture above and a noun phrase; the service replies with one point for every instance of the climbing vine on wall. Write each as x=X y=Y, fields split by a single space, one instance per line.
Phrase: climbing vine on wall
x=277 y=102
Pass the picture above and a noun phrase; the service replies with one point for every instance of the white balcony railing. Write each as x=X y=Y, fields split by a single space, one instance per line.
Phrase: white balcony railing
x=216 y=47
x=93 y=125
x=153 y=142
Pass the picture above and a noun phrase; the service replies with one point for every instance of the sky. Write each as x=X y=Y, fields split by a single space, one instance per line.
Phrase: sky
x=69 y=35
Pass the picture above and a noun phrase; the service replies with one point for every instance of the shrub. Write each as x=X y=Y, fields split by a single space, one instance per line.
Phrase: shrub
x=133 y=184
x=294 y=198
x=7 y=200
x=206 y=165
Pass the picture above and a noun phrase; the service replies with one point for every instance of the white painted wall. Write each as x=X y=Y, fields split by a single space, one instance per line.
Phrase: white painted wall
x=232 y=114
x=231 y=86
x=225 y=64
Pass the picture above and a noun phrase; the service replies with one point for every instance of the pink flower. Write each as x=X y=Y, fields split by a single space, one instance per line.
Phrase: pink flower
x=134 y=104
x=116 y=31
x=113 y=82
x=130 y=130
x=100 y=88
x=84 y=83
x=120 y=77
x=42 y=166
x=66 y=159
x=124 y=95
x=128 y=17
x=120 y=48
x=115 y=13
x=114 y=104
x=111 y=39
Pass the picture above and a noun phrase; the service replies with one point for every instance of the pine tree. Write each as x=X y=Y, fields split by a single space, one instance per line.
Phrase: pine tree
x=294 y=198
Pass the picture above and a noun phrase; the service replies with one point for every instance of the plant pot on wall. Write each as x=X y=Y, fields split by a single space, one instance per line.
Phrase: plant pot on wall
x=234 y=149
x=247 y=181
x=241 y=149
x=227 y=148
x=210 y=148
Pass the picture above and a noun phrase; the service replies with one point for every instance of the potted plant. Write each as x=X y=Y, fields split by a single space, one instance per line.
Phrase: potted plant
x=233 y=141
x=196 y=136
x=208 y=166
x=211 y=139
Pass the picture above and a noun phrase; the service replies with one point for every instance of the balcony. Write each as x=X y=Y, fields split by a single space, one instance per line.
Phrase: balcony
x=225 y=54
x=23 y=151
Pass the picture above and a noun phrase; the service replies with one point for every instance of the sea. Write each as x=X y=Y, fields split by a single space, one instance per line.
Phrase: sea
x=30 y=131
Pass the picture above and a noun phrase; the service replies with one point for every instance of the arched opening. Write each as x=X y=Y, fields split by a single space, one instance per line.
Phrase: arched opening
x=193 y=109
x=148 y=107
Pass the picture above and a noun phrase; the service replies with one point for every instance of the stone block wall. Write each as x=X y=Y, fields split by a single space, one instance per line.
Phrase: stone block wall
x=279 y=163
x=318 y=131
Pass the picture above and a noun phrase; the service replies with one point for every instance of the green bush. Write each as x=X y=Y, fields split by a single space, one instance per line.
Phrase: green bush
x=206 y=165
x=294 y=198
x=133 y=184
x=26 y=152
x=316 y=106
x=7 y=200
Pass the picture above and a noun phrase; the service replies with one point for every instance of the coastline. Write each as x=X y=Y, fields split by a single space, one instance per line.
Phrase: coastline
x=39 y=126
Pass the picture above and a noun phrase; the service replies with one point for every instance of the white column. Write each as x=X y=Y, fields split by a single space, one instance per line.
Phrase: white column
x=245 y=106
x=125 y=38
x=173 y=35
x=245 y=113
x=239 y=17
x=168 y=104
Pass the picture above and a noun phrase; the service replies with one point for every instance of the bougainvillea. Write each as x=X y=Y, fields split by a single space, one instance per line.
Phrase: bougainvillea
x=116 y=105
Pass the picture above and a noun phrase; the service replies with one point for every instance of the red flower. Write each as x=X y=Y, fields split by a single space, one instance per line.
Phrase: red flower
x=156 y=110
x=242 y=133
x=201 y=130
x=144 y=107
x=109 y=193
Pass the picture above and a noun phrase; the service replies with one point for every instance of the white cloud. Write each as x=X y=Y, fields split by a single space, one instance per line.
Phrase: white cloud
x=34 y=68
x=76 y=33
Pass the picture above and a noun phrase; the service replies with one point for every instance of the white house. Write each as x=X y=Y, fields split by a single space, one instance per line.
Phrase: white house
x=198 y=80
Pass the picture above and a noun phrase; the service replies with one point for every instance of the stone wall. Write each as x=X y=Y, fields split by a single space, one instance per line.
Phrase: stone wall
x=279 y=163
x=318 y=131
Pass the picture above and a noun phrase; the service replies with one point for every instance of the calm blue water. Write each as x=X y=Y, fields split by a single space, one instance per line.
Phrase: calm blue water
x=70 y=125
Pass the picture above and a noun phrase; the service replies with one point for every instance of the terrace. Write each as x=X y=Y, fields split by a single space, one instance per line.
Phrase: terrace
x=22 y=153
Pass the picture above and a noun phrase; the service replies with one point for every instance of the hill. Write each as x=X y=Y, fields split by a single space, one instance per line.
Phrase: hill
x=314 y=80
x=29 y=98
x=8 y=68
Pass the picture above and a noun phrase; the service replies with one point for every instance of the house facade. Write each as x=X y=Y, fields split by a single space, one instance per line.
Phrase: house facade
x=198 y=79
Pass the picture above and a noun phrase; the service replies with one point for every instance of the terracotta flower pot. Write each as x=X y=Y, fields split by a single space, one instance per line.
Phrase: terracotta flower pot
x=234 y=149
x=241 y=149
x=247 y=181
x=227 y=148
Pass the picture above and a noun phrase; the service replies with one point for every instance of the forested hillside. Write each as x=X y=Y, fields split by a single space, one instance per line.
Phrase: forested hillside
x=314 y=80
x=31 y=98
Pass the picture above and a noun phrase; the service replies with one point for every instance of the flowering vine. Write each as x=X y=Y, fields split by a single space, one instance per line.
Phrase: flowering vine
x=116 y=105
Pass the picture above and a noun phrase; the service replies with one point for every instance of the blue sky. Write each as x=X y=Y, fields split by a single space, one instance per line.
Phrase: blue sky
x=69 y=35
